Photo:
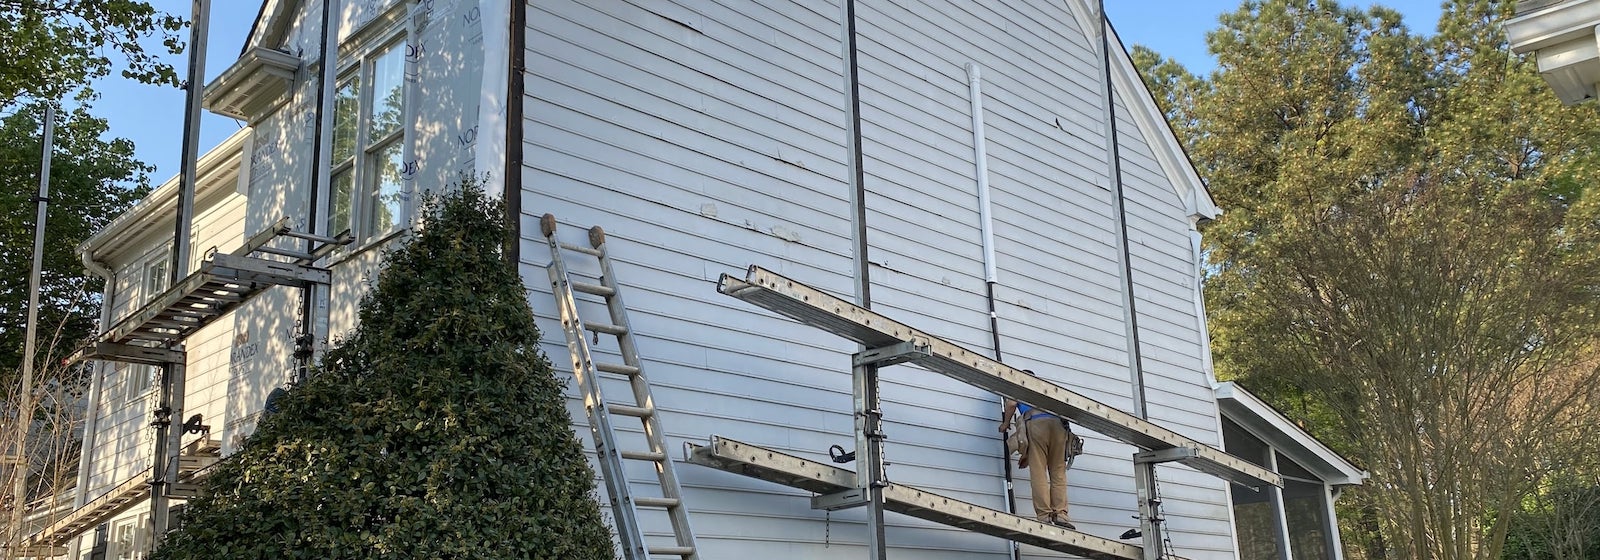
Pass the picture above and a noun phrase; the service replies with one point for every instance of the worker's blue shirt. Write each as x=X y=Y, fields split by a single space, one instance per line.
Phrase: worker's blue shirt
x=1023 y=409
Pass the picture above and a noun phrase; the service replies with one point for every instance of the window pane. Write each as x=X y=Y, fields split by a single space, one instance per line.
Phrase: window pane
x=1307 y=517
x=388 y=73
x=339 y=201
x=1288 y=467
x=387 y=195
x=346 y=115
x=156 y=274
x=1257 y=524
x=1241 y=444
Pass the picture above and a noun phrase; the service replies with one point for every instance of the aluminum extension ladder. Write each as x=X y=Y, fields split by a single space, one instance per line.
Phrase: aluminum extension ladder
x=625 y=505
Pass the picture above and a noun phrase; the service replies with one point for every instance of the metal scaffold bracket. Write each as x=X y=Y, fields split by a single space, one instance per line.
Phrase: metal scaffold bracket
x=843 y=499
x=1165 y=455
x=898 y=353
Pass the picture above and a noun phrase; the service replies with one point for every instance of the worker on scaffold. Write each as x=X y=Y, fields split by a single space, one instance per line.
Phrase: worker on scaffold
x=1046 y=452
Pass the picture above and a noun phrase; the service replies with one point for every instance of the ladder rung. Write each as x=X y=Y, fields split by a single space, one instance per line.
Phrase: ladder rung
x=605 y=328
x=595 y=289
x=581 y=249
x=625 y=410
x=644 y=456
x=616 y=368
x=657 y=502
x=671 y=550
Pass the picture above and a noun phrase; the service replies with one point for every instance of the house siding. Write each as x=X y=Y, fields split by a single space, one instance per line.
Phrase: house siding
x=706 y=137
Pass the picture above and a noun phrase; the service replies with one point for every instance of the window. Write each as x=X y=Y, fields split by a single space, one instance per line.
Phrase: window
x=1299 y=510
x=155 y=274
x=367 y=195
x=130 y=539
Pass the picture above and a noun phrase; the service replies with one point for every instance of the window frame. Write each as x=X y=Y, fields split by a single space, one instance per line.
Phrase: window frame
x=1270 y=458
x=155 y=277
x=365 y=164
x=137 y=546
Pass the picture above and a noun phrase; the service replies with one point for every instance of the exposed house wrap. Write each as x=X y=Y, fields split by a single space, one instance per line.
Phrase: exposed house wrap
x=444 y=85
x=709 y=136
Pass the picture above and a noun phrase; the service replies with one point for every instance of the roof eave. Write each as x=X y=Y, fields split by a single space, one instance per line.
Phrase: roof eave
x=161 y=204
x=1251 y=412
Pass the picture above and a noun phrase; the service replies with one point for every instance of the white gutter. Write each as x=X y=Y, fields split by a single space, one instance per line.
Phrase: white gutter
x=90 y=428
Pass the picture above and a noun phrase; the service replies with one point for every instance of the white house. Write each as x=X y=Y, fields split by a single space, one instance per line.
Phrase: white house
x=706 y=137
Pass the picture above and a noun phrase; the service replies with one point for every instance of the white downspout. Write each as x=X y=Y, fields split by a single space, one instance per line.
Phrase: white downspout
x=1206 y=366
x=980 y=157
x=980 y=151
x=90 y=429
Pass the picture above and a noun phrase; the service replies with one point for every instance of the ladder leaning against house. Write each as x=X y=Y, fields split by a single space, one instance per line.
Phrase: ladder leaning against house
x=625 y=504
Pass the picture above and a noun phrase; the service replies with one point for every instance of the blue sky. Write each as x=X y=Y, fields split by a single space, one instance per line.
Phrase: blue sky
x=153 y=116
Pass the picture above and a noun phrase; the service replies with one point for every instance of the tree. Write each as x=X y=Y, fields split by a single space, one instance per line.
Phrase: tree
x=1408 y=261
x=436 y=430
x=52 y=48
x=92 y=180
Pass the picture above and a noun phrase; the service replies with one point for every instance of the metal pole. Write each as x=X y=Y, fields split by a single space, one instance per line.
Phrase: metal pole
x=869 y=435
x=169 y=434
x=1144 y=472
x=22 y=467
x=314 y=299
x=869 y=453
x=856 y=171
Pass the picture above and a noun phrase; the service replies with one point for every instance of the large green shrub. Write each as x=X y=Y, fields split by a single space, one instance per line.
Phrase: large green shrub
x=436 y=430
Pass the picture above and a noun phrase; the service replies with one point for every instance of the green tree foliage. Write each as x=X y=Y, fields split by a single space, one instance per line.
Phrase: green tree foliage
x=1408 y=260
x=92 y=180
x=436 y=430
x=1559 y=522
x=51 y=48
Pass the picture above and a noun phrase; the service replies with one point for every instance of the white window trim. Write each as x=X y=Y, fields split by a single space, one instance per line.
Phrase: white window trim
x=138 y=547
x=357 y=56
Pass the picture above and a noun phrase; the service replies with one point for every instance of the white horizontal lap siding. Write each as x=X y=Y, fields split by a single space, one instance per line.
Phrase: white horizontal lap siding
x=1057 y=294
x=221 y=227
x=123 y=444
x=925 y=244
x=1177 y=392
x=703 y=137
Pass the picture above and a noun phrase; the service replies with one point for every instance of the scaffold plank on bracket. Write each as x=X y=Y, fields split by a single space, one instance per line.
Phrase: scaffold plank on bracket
x=222 y=282
x=796 y=472
x=819 y=309
x=197 y=462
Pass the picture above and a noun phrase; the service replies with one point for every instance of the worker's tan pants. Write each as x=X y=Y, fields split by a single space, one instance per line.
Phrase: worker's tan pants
x=1047 y=467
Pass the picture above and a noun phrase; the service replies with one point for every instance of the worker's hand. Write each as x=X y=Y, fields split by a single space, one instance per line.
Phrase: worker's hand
x=1003 y=426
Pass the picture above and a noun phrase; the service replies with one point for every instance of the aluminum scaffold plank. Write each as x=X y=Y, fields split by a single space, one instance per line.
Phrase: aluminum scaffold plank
x=819 y=309
x=194 y=465
x=775 y=466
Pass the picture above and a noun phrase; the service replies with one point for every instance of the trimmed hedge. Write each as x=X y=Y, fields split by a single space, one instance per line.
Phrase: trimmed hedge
x=436 y=430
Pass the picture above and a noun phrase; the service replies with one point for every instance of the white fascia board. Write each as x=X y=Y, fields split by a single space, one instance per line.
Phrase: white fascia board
x=1267 y=423
x=1153 y=125
x=1552 y=24
x=160 y=206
